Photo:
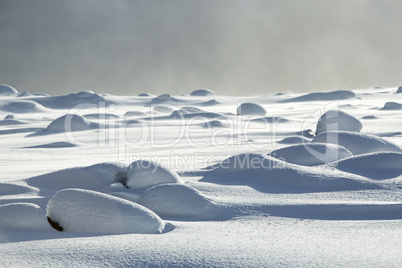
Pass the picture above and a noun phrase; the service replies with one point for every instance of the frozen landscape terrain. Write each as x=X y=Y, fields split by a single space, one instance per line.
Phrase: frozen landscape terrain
x=295 y=180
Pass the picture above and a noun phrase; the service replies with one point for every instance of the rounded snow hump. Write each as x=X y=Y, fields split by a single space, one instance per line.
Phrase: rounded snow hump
x=6 y=90
x=202 y=92
x=249 y=108
x=336 y=120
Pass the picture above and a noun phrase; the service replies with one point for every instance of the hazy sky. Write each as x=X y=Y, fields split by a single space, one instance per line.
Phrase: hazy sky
x=175 y=46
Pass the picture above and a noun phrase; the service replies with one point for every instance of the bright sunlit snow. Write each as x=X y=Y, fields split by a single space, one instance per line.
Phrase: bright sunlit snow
x=311 y=180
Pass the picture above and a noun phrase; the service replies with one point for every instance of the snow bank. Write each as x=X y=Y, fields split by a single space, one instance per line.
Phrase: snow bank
x=202 y=92
x=392 y=106
x=145 y=174
x=250 y=109
x=179 y=200
x=22 y=106
x=6 y=90
x=23 y=215
x=335 y=120
x=70 y=122
x=311 y=154
x=324 y=96
x=382 y=165
x=76 y=210
x=357 y=143
x=95 y=177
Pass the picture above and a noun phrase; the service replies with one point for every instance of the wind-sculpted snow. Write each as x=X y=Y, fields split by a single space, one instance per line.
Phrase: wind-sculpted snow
x=267 y=173
x=162 y=99
x=335 y=120
x=95 y=177
x=378 y=166
x=23 y=216
x=294 y=140
x=70 y=122
x=21 y=106
x=323 y=96
x=179 y=200
x=357 y=143
x=145 y=174
x=311 y=154
x=84 y=211
x=202 y=92
x=6 y=90
x=82 y=99
x=250 y=109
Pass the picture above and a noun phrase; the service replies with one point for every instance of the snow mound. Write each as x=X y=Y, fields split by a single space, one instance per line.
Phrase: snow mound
x=161 y=99
x=70 y=122
x=95 y=177
x=268 y=174
x=6 y=90
x=210 y=103
x=190 y=109
x=399 y=90
x=311 y=154
x=145 y=174
x=14 y=189
x=182 y=114
x=134 y=113
x=202 y=92
x=23 y=215
x=369 y=117
x=98 y=116
x=324 y=96
x=85 y=98
x=378 y=166
x=392 y=106
x=357 y=143
x=145 y=95
x=10 y=117
x=9 y=122
x=179 y=200
x=250 y=109
x=335 y=120
x=76 y=210
x=245 y=162
x=163 y=109
x=22 y=106
x=213 y=124
x=294 y=140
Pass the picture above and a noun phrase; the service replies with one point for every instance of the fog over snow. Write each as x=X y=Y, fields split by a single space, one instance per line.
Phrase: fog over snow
x=234 y=47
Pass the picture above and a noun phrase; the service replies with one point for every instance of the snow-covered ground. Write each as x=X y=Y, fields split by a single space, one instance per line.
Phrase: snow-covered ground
x=295 y=180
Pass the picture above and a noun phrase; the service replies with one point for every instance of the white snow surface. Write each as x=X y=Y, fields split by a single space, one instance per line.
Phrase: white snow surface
x=85 y=211
x=216 y=198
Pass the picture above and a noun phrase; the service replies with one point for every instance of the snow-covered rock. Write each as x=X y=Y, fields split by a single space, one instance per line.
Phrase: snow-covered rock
x=335 y=120
x=179 y=200
x=202 y=92
x=70 y=122
x=145 y=174
x=76 y=210
x=250 y=109
x=311 y=154
x=6 y=90
x=23 y=215
x=357 y=143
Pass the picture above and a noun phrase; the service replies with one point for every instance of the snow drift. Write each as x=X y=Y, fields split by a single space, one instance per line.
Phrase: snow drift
x=23 y=216
x=70 y=122
x=6 y=90
x=76 y=210
x=202 y=92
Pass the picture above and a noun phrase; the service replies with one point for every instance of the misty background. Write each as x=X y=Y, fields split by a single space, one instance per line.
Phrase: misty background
x=230 y=46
